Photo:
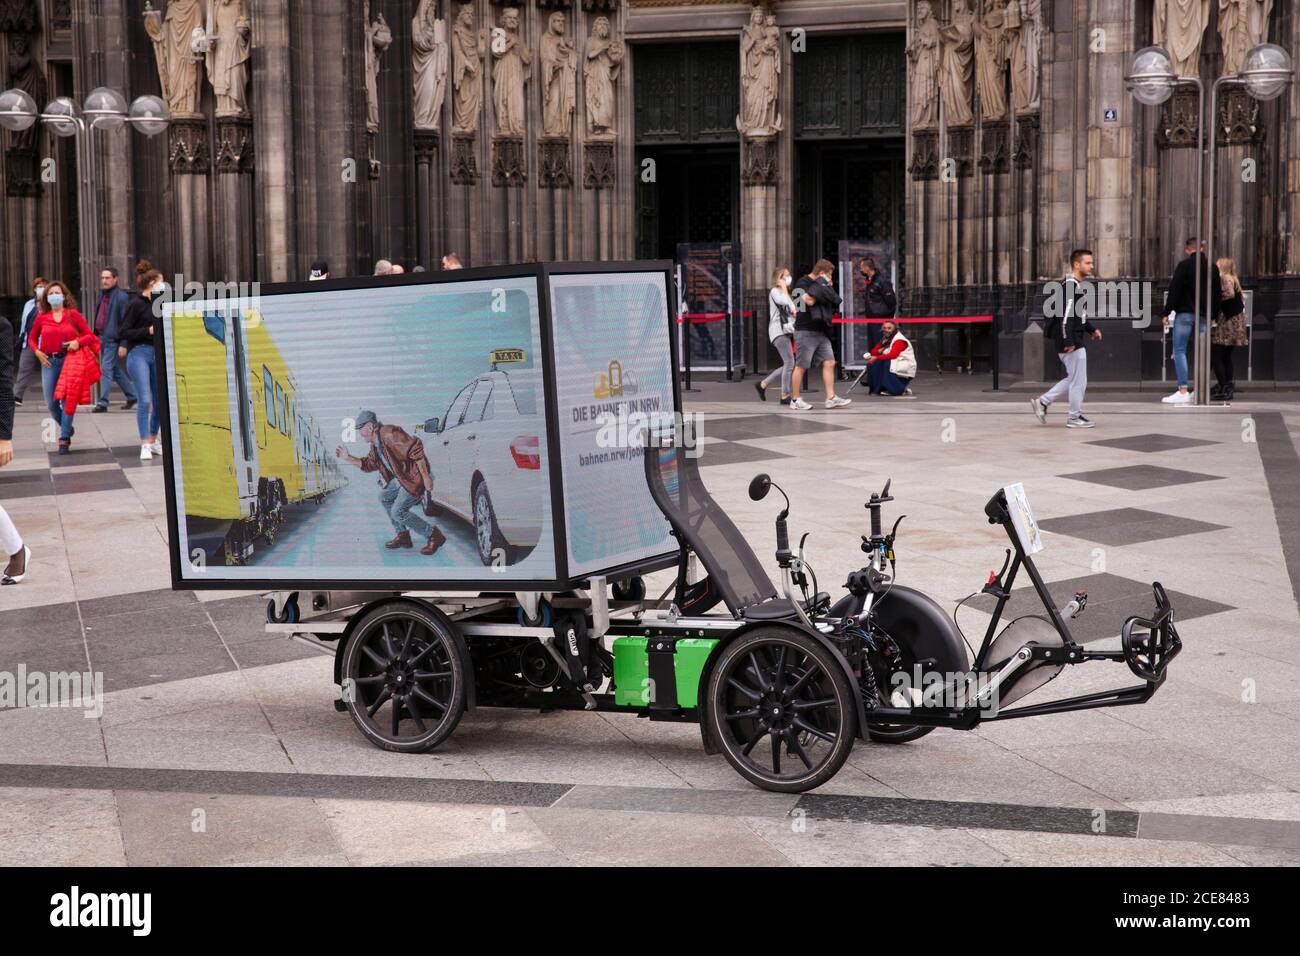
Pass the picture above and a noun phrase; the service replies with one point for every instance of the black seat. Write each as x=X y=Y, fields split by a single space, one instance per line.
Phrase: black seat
x=699 y=521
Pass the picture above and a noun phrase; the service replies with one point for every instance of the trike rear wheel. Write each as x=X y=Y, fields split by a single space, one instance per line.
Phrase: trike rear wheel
x=403 y=678
x=781 y=709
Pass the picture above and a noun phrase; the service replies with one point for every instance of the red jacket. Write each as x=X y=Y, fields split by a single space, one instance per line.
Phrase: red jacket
x=80 y=371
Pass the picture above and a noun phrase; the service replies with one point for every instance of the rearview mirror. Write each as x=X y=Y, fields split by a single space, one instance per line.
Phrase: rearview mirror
x=431 y=426
x=759 y=487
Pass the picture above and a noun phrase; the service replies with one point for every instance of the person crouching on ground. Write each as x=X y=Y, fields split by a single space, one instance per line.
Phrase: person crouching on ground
x=891 y=363
x=1069 y=333
x=403 y=476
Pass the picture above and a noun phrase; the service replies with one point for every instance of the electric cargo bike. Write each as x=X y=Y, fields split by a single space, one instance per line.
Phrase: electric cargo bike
x=782 y=682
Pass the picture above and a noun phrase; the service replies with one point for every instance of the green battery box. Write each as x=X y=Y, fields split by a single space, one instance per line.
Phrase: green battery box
x=633 y=684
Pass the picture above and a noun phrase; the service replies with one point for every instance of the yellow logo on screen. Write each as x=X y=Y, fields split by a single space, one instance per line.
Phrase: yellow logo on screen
x=614 y=382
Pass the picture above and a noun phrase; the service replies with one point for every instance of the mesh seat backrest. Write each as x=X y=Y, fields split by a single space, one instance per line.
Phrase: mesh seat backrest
x=678 y=490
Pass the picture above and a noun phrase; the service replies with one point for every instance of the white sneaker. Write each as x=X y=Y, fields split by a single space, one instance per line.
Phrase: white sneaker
x=156 y=448
x=145 y=453
x=1178 y=398
x=800 y=405
x=837 y=401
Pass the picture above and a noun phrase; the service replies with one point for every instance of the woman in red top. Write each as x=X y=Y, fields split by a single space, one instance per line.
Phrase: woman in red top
x=57 y=330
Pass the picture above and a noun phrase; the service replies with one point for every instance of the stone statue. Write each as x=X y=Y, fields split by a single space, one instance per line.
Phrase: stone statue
x=958 y=64
x=760 y=75
x=178 y=67
x=1025 y=32
x=991 y=61
x=513 y=60
x=923 y=55
x=1179 y=26
x=467 y=51
x=604 y=59
x=559 y=77
x=25 y=74
x=378 y=39
x=1243 y=24
x=228 y=57
x=428 y=65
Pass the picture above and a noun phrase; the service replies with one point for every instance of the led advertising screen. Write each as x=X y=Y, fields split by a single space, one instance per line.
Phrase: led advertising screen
x=393 y=434
x=614 y=376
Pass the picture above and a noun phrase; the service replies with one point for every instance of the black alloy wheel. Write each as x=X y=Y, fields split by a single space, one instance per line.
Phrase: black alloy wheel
x=782 y=710
x=403 y=678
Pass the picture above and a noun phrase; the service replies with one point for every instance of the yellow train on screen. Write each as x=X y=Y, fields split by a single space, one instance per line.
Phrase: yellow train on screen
x=249 y=445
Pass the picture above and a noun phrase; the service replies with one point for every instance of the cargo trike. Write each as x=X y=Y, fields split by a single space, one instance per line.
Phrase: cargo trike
x=525 y=448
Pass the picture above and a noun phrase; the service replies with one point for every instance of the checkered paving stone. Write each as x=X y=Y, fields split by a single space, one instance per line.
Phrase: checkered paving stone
x=1141 y=477
x=25 y=484
x=1152 y=442
x=83 y=481
x=777 y=424
x=1125 y=526
x=715 y=452
x=1112 y=600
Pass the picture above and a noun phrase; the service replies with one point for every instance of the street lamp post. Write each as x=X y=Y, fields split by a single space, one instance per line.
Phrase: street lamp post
x=1266 y=73
x=103 y=108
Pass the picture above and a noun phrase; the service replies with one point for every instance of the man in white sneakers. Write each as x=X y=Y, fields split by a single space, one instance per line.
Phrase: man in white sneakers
x=817 y=301
x=1070 y=333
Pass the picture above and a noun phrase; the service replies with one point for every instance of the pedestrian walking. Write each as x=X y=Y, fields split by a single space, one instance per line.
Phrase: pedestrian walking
x=27 y=364
x=16 y=553
x=1070 y=335
x=108 y=317
x=780 y=332
x=1180 y=299
x=320 y=269
x=1229 y=331
x=812 y=333
x=451 y=261
x=135 y=347
x=58 y=331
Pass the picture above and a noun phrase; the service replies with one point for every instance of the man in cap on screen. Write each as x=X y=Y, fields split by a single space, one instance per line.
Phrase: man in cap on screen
x=403 y=476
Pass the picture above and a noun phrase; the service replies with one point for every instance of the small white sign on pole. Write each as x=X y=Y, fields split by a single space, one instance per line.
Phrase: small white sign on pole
x=1022 y=519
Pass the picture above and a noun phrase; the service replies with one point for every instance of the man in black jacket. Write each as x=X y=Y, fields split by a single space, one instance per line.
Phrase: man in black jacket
x=1069 y=331
x=817 y=300
x=1180 y=299
x=11 y=542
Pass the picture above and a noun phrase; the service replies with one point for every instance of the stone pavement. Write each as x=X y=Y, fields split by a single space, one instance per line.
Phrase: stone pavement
x=218 y=743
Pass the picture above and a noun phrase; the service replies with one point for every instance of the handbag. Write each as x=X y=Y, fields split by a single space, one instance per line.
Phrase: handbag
x=1233 y=307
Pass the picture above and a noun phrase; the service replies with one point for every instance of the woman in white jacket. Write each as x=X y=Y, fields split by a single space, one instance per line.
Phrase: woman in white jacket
x=780 y=331
x=891 y=363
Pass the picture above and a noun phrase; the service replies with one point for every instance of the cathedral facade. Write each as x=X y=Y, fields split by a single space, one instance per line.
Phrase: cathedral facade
x=973 y=142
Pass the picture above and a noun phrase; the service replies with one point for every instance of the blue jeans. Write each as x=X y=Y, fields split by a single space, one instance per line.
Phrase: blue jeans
x=111 y=370
x=144 y=375
x=398 y=502
x=49 y=379
x=1182 y=338
x=881 y=379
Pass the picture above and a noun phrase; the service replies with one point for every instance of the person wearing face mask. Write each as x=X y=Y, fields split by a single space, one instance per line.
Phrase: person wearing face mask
x=780 y=331
x=891 y=363
x=58 y=331
x=135 y=337
x=27 y=364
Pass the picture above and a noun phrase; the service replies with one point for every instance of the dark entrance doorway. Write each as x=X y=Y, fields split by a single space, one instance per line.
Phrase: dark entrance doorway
x=847 y=193
x=688 y=151
x=695 y=198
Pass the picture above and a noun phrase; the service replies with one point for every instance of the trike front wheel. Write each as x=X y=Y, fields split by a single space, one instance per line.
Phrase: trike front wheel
x=781 y=709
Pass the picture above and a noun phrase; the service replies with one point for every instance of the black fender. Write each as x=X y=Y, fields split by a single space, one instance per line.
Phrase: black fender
x=462 y=648
x=917 y=621
x=710 y=747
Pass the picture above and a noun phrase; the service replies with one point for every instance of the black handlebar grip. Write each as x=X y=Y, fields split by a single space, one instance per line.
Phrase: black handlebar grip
x=875 y=522
x=782 y=537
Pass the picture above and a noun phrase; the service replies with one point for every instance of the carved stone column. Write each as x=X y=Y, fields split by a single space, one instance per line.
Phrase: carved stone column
x=509 y=167
x=428 y=178
x=234 y=200
x=190 y=162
